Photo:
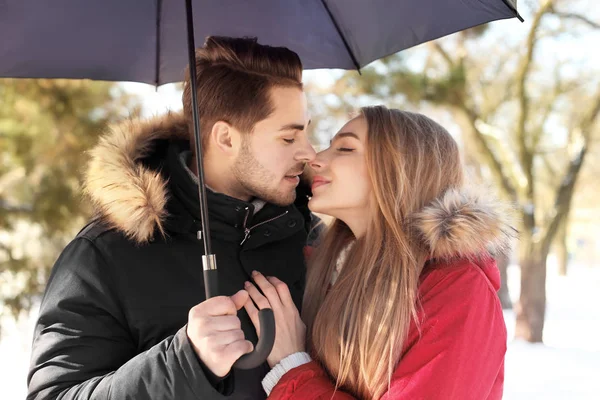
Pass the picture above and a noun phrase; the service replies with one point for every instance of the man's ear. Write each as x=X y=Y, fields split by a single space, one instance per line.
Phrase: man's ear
x=224 y=138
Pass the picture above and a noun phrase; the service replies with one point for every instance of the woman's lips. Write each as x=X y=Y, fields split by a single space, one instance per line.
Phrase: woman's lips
x=319 y=181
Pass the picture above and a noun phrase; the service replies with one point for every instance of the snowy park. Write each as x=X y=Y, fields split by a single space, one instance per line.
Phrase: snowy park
x=565 y=367
x=122 y=134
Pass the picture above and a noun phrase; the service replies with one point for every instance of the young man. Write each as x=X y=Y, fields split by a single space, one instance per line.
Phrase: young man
x=124 y=314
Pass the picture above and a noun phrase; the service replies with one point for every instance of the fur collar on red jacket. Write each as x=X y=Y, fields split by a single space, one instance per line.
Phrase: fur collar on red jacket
x=465 y=223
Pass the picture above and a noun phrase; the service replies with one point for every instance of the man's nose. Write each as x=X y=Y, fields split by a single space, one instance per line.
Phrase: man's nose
x=307 y=153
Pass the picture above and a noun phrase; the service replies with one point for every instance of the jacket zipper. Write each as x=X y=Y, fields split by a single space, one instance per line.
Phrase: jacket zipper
x=248 y=230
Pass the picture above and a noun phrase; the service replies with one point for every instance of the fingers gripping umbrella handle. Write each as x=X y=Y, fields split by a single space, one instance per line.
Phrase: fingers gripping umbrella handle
x=265 y=342
x=265 y=316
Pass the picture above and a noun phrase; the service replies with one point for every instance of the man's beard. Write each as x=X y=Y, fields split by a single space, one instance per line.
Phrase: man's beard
x=256 y=181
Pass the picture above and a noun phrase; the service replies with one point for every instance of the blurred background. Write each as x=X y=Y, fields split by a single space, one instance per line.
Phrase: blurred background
x=522 y=100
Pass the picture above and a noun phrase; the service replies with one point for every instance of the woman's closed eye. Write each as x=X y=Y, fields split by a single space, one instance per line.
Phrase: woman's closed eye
x=345 y=149
x=289 y=141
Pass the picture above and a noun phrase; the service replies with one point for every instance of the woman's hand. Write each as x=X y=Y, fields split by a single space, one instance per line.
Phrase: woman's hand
x=290 y=331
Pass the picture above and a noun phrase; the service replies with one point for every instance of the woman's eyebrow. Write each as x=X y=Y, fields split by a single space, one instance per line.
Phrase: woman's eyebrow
x=343 y=135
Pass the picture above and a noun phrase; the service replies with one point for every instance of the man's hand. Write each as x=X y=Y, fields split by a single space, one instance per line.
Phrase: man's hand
x=216 y=332
x=290 y=331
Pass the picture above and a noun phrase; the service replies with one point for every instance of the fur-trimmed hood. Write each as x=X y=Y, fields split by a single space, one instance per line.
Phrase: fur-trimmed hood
x=126 y=194
x=129 y=196
x=465 y=223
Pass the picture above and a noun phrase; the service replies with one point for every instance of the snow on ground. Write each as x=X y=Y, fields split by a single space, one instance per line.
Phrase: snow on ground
x=566 y=367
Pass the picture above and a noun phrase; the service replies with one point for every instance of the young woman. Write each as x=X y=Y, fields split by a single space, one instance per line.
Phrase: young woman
x=401 y=296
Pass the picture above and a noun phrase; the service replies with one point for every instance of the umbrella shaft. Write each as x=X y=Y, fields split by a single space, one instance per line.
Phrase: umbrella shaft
x=198 y=142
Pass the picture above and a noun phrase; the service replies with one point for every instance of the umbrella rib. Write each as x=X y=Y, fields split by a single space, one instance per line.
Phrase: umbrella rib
x=513 y=9
x=339 y=31
x=157 y=61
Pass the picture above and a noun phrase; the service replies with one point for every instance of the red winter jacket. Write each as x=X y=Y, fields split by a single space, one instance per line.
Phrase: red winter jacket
x=460 y=354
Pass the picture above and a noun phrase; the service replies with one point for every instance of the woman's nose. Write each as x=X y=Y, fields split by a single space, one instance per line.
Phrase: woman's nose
x=318 y=163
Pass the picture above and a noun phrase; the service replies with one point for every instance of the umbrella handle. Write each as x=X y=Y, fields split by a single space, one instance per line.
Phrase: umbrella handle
x=265 y=316
x=265 y=342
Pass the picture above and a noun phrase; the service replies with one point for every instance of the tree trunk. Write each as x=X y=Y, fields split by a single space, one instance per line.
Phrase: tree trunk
x=531 y=309
x=503 y=293
x=562 y=253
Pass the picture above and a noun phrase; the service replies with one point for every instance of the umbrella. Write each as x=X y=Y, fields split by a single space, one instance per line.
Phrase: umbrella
x=142 y=41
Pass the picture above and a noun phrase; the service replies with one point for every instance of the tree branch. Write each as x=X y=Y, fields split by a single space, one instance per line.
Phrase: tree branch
x=539 y=130
x=577 y=17
x=486 y=151
x=8 y=251
x=525 y=155
x=451 y=63
x=564 y=194
x=490 y=86
x=590 y=119
x=558 y=90
x=549 y=166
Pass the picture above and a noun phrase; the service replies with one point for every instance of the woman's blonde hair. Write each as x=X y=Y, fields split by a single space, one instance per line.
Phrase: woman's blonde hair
x=357 y=328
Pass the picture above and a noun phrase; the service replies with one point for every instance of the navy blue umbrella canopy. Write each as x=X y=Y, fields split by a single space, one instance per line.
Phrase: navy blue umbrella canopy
x=152 y=41
x=144 y=40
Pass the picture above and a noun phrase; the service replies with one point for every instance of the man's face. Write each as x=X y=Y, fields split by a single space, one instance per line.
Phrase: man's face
x=273 y=156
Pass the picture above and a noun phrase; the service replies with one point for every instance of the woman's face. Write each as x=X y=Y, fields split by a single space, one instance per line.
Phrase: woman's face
x=341 y=186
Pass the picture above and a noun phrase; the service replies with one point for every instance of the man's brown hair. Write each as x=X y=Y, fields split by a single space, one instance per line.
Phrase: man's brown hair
x=234 y=79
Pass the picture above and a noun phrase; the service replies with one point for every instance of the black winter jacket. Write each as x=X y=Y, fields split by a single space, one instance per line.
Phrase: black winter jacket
x=112 y=323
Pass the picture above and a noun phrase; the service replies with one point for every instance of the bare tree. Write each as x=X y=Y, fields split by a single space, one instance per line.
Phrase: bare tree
x=526 y=121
